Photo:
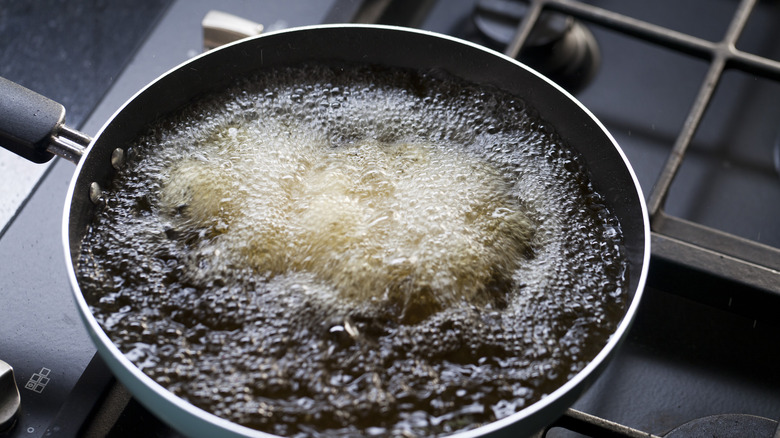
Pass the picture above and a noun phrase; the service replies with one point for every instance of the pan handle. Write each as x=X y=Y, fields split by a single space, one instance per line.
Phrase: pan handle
x=32 y=126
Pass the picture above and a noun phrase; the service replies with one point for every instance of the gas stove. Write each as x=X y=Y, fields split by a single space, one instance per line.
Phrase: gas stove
x=690 y=91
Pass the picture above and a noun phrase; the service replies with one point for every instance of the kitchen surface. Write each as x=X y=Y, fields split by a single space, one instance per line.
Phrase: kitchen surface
x=697 y=119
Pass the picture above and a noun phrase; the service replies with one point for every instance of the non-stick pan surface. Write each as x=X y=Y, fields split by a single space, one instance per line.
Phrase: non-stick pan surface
x=609 y=169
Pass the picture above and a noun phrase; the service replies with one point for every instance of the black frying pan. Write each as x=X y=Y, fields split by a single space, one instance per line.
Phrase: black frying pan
x=32 y=126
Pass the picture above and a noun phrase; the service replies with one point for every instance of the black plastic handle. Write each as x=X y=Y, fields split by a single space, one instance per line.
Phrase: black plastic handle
x=27 y=121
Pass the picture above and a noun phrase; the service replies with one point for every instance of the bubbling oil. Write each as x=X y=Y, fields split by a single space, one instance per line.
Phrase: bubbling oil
x=324 y=251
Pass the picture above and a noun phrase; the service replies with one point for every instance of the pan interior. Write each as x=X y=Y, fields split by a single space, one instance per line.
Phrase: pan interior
x=262 y=330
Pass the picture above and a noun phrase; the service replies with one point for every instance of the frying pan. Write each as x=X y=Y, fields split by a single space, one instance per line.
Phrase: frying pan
x=32 y=126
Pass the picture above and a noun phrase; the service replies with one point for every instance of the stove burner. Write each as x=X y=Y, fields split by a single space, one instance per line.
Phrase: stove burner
x=727 y=426
x=559 y=46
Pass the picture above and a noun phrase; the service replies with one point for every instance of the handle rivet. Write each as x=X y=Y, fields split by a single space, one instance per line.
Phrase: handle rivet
x=95 y=193
x=118 y=158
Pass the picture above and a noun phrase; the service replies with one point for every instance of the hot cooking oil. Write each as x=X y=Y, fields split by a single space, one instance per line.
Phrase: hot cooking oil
x=355 y=250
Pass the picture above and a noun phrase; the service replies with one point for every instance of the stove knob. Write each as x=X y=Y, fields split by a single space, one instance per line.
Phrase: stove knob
x=10 y=402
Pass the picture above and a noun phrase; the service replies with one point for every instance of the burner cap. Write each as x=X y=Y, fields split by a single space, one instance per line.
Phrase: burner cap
x=726 y=426
x=559 y=46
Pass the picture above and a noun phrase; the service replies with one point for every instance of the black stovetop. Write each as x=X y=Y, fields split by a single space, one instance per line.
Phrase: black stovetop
x=701 y=345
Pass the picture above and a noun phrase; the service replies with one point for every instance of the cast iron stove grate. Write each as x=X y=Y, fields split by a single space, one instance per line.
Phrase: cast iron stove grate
x=675 y=240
